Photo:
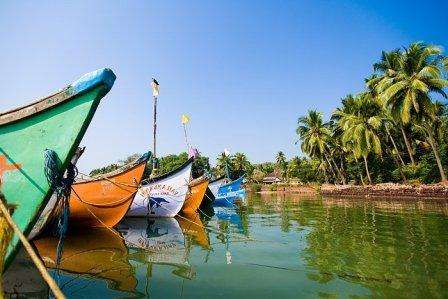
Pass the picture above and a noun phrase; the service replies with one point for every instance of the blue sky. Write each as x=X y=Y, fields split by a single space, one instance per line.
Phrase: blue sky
x=243 y=70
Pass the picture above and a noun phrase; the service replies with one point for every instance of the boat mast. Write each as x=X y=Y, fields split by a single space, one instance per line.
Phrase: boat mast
x=155 y=94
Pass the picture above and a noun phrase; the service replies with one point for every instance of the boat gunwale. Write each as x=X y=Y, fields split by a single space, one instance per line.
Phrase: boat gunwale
x=38 y=106
x=168 y=174
x=231 y=182
x=217 y=179
x=112 y=174
x=198 y=181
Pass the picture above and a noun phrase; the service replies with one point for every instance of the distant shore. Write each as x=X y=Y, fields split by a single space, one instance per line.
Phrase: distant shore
x=385 y=190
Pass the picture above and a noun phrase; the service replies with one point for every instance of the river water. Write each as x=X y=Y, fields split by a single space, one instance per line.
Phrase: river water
x=286 y=246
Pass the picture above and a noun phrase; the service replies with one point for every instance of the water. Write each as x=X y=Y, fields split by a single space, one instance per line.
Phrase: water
x=279 y=245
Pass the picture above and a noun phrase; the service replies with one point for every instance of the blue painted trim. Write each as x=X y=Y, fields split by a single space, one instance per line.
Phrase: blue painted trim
x=90 y=80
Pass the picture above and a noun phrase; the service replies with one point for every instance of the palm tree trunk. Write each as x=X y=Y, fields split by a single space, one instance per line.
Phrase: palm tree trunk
x=408 y=145
x=326 y=177
x=395 y=146
x=367 y=169
x=433 y=144
x=331 y=167
x=339 y=171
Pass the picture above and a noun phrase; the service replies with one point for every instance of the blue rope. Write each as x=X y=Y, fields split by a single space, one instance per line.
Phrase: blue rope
x=61 y=186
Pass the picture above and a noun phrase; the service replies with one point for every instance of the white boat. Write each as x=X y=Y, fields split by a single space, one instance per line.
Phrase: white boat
x=162 y=196
x=216 y=184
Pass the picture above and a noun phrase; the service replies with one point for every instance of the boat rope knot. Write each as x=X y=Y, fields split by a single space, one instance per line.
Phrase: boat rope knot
x=61 y=186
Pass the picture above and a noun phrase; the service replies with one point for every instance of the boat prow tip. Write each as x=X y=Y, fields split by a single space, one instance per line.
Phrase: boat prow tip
x=104 y=76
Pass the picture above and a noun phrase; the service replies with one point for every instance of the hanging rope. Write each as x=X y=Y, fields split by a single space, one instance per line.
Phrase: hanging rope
x=61 y=187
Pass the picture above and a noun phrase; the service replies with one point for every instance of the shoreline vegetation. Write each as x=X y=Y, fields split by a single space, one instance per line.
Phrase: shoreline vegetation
x=383 y=190
x=389 y=140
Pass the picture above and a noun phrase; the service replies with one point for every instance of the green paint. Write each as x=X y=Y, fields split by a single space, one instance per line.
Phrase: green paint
x=23 y=142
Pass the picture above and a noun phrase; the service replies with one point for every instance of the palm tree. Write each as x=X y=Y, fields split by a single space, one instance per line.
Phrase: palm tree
x=388 y=68
x=388 y=121
x=417 y=73
x=240 y=163
x=315 y=138
x=360 y=128
x=429 y=125
x=222 y=164
x=281 y=162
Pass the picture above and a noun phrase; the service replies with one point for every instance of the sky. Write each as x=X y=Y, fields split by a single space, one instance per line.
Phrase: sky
x=244 y=71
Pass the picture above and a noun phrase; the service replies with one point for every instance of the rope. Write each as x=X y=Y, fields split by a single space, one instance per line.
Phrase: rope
x=111 y=204
x=61 y=186
x=98 y=219
x=113 y=182
x=36 y=260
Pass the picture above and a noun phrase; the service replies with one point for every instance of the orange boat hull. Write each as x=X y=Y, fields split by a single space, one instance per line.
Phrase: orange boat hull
x=195 y=195
x=105 y=201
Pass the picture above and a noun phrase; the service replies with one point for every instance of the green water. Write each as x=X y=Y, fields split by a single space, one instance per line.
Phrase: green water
x=284 y=246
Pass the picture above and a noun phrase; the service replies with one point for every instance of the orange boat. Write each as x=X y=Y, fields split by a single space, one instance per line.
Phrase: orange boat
x=97 y=253
x=196 y=192
x=104 y=200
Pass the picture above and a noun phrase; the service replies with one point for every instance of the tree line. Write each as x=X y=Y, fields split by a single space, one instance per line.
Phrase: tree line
x=394 y=130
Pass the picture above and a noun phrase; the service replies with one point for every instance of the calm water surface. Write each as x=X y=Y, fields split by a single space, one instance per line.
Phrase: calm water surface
x=279 y=245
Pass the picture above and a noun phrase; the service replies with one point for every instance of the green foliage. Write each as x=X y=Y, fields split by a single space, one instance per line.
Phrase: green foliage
x=256 y=187
x=114 y=166
x=393 y=131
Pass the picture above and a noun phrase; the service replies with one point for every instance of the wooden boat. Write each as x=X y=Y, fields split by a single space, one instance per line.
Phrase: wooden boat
x=229 y=193
x=98 y=253
x=162 y=196
x=157 y=241
x=196 y=193
x=215 y=184
x=57 y=122
x=104 y=200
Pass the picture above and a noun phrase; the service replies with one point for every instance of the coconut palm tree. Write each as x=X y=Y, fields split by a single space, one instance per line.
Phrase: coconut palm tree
x=223 y=164
x=387 y=69
x=281 y=162
x=420 y=74
x=315 y=136
x=429 y=125
x=388 y=121
x=240 y=164
x=360 y=128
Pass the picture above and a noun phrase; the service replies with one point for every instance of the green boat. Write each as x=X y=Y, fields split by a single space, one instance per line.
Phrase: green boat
x=57 y=122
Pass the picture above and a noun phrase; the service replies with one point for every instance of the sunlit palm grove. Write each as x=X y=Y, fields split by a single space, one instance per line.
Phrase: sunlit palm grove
x=395 y=130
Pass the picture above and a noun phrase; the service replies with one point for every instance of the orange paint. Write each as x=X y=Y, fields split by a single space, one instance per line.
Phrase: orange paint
x=4 y=166
x=99 y=253
x=104 y=201
x=195 y=195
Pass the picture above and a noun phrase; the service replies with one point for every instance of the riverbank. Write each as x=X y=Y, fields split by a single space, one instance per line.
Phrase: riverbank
x=386 y=190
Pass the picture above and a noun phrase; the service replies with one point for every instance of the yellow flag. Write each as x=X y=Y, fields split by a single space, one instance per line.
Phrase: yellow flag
x=185 y=119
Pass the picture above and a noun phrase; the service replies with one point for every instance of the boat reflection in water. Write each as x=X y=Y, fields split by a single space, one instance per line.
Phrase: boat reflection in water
x=98 y=253
x=193 y=227
x=157 y=241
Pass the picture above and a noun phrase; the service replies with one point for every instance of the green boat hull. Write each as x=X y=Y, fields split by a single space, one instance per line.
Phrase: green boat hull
x=23 y=140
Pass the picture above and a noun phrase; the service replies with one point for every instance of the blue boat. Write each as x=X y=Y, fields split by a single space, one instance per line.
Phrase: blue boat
x=229 y=193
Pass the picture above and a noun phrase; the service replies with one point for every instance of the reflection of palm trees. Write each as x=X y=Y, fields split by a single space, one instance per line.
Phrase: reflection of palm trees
x=382 y=251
